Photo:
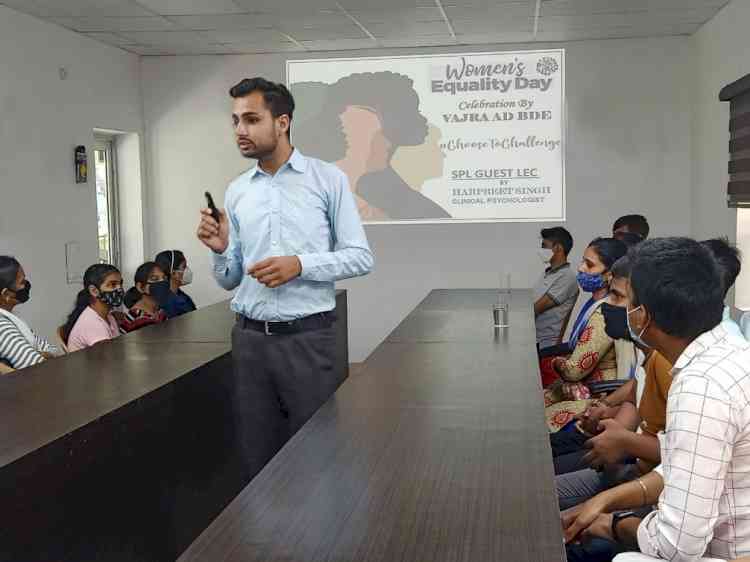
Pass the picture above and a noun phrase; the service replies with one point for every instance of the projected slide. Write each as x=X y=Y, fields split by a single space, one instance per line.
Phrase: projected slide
x=445 y=138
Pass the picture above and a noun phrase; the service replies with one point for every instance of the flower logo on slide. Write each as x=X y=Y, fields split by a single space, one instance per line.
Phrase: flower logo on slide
x=547 y=66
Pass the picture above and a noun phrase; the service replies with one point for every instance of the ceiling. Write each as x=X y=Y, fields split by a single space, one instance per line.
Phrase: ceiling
x=194 y=27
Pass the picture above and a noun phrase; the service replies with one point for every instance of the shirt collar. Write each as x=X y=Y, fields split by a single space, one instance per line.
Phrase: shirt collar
x=558 y=268
x=699 y=346
x=297 y=162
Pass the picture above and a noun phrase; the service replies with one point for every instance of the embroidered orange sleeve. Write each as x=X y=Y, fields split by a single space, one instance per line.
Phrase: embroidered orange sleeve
x=593 y=344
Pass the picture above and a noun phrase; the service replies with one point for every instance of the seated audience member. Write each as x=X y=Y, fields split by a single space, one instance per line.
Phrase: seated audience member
x=92 y=321
x=593 y=357
x=642 y=400
x=703 y=483
x=556 y=291
x=728 y=259
x=635 y=224
x=175 y=266
x=610 y=427
x=20 y=347
x=144 y=300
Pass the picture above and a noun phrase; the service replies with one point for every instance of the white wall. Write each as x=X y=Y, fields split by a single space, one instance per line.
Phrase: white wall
x=628 y=151
x=722 y=55
x=42 y=119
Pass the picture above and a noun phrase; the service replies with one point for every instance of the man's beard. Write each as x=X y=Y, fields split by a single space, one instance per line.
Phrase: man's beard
x=260 y=151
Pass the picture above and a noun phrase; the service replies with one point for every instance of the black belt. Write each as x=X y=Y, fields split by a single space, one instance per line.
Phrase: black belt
x=306 y=324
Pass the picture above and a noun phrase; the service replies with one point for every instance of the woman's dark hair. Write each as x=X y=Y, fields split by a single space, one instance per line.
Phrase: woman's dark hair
x=9 y=267
x=679 y=283
x=389 y=94
x=558 y=235
x=279 y=100
x=141 y=276
x=95 y=275
x=609 y=250
x=168 y=260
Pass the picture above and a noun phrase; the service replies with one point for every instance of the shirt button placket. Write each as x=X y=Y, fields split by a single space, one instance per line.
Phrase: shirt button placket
x=275 y=231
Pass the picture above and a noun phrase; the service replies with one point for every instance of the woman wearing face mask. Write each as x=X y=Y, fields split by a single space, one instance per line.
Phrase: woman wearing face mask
x=144 y=301
x=174 y=264
x=593 y=356
x=19 y=346
x=92 y=321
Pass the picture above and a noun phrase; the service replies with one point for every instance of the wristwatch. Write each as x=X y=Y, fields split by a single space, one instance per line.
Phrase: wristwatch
x=616 y=518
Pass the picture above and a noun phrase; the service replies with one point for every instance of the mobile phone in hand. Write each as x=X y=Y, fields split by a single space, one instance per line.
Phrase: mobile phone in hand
x=212 y=206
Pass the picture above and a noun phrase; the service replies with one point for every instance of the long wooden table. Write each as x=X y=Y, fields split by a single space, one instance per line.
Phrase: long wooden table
x=125 y=451
x=436 y=452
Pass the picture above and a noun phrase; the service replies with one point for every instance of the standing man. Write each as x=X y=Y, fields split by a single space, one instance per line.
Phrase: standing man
x=290 y=229
x=556 y=291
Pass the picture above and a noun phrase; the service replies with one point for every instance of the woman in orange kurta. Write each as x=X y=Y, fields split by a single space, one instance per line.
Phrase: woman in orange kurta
x=593 y=357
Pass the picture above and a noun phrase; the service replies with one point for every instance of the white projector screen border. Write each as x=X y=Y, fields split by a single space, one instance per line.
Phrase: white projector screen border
x=327 y=92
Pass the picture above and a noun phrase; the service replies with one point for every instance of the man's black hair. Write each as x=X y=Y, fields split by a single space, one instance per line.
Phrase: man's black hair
x=635 y=223
x=728 y=258
x=278 y=99
x=621 y=268
x=679 y=283
x=630 y=239
x=559 y=235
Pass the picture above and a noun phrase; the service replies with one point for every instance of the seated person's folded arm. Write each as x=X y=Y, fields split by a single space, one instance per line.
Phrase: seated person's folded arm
x=589 y=350
x=544 y=303
x=15 y=349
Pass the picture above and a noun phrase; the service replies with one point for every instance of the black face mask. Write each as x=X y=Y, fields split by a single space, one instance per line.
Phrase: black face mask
x=160 y=291
x=112 y=299
x=24 y=294
x=616 y=322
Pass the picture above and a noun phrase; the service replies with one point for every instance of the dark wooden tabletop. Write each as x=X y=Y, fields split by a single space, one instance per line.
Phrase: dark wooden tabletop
x=43 y=403
x=212 y=325
x=436 y=451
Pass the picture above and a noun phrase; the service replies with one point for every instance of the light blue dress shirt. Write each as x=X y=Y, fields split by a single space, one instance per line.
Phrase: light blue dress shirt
x=306 y=210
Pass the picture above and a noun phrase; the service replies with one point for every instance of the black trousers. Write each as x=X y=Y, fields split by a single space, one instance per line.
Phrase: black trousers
x=280 y=382
x=568 y=451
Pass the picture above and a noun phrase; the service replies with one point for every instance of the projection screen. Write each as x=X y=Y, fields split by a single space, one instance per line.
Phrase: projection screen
x=444 y=138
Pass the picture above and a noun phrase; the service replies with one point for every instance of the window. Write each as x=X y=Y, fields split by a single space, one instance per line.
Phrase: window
x=738 y=189
x=106 y=202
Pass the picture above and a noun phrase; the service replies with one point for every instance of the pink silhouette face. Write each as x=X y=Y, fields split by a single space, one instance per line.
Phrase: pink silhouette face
x=364 y=137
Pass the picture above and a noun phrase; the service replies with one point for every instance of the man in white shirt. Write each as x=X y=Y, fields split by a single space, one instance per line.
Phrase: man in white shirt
x=703 y=485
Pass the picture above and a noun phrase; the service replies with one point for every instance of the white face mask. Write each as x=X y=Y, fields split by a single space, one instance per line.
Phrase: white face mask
x=637 y=338
x=545 y=254
x=187 y=276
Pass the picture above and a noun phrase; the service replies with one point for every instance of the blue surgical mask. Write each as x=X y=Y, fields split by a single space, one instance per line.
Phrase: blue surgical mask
x=637 y=338
x=591 y=282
